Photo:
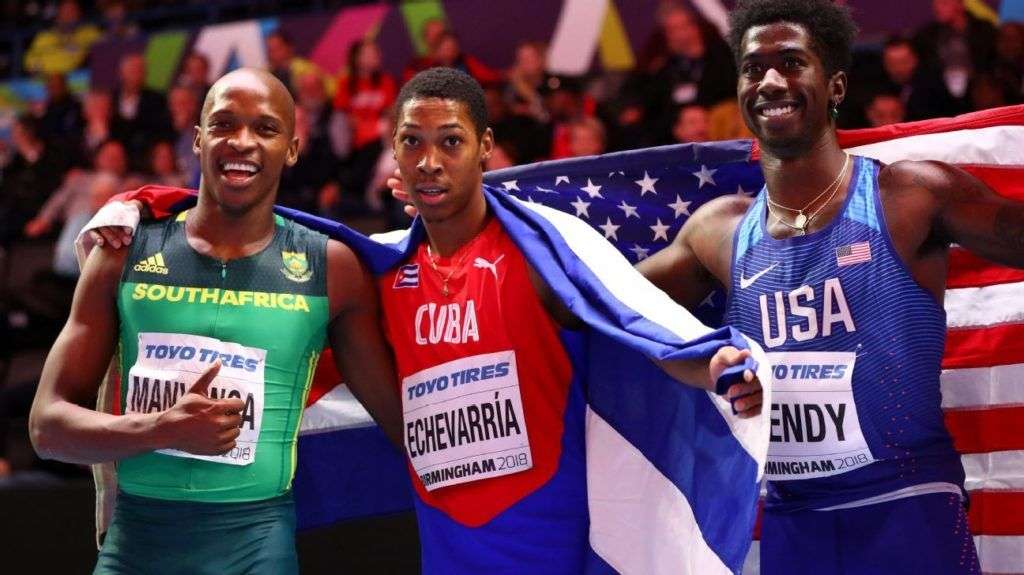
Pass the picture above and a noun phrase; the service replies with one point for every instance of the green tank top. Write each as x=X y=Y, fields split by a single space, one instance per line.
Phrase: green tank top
x=264 y=317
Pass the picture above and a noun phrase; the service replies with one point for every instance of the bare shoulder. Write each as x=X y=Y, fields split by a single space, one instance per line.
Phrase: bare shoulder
x=936 y=179
x=341 y=259
x=712 y=225
x=349 y=283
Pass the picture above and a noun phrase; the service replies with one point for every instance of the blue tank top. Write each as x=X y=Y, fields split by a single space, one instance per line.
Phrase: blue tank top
x=855 y=345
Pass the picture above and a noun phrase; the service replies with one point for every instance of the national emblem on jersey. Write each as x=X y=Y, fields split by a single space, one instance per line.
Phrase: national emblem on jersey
x=153 y=264
x=296 y=267
x=408 y=276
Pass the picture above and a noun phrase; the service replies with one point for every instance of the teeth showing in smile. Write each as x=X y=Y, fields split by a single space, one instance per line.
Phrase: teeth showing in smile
x=776 y=111
x=240 y=167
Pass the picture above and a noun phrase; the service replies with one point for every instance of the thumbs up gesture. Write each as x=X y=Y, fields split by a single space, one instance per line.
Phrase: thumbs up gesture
x=199 y=424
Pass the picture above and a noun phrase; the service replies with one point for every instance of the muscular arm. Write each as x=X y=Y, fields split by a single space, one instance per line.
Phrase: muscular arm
x=360 y=351
x=61 y=424
x=932 y=204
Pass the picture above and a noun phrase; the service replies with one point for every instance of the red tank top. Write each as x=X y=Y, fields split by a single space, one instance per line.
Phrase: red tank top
x=458 y=356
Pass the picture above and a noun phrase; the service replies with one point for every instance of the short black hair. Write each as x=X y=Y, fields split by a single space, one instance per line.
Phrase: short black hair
x=829 y=24
x=446 y=84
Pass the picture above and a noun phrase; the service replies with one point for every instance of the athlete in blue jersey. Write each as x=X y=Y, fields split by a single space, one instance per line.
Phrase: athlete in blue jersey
x=838 y=269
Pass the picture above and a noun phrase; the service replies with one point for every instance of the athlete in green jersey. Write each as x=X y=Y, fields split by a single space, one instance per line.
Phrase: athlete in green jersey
x=217 y=318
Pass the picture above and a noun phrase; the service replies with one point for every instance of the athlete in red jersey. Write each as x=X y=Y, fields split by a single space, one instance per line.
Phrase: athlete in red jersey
x=493 y=423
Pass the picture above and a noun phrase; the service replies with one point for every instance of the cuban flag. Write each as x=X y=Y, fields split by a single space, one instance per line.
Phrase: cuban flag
x=672 y=475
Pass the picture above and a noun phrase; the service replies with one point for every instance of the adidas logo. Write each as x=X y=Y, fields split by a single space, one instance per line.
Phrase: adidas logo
x=152 y=264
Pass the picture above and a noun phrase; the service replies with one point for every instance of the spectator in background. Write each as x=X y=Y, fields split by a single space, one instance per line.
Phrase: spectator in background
x=163 y=166
x=183 y=104
x=97 y=109
x=958 y=43
x=884 y=109
x=694 y=66
x=81 y=194
x=288 y=66
x=1009 y=63
x=195 y=74
x=64 y=47
x=431 y=32
x=364 y=94
x=449 y=54
x=586 y=137
x=62 y=121
x=565 y=102
x=140 y=114
x=691 y=125
x=920 y=87
x=116 y=23
x=302 y=184
x=522 y=137
x=989 y=91
x=525 y=81
x=726 y=123
x=32 y=175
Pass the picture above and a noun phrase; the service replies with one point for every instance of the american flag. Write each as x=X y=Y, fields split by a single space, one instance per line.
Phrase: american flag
x=853 y=254
x=640 y=199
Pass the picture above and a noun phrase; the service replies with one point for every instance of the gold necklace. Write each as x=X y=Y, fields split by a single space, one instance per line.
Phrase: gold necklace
x=455 y=268
x=802 y=220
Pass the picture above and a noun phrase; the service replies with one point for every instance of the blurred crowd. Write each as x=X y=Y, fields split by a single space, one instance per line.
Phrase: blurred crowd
x=72 y=153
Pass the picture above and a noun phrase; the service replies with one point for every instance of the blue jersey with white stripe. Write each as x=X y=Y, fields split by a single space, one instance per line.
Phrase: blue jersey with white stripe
x=855 y=345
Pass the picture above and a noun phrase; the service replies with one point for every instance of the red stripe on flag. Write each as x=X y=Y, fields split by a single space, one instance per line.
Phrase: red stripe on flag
x=1007 y=181
x=996 y=513
x=969 y=270
x=986 y=430
x=1005 y=116
x=984 y=347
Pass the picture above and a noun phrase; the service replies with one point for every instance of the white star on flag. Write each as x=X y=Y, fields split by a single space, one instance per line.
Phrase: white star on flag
x=647 y=184
x=581 y=207
x=708 y=301
x=511 y=185
x=741 y=192
x=640 y=252
x=629 y=210
x=610 y=229
x=680 y=207
x=592 y=190
x=560 y=179
x=705 y=176
x=660 y=231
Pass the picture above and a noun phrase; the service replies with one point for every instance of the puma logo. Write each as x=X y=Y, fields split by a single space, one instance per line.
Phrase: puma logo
x=486 y=265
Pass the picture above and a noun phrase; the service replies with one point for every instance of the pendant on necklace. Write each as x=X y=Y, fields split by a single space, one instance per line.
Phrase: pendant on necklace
x=801 y=221
x=444 y=289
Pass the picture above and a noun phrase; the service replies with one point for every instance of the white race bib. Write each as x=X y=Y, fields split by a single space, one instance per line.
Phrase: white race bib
x=169 y=363
x=815 y=431
x=464 y=420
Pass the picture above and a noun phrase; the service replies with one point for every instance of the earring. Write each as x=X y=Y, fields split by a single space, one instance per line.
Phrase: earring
x=833 y=111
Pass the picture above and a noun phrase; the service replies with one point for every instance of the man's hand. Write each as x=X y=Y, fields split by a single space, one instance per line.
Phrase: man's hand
x=115 y=236
x=746 y=397
x=395 y=184
x=200 y=425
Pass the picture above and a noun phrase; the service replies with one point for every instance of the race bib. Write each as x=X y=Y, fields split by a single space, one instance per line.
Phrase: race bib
x=815 y=431
x=464 y=420
x=169 y=363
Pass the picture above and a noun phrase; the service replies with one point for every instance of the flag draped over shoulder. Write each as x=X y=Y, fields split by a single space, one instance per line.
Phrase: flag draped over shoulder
x=671 y=471
x=640 y=199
